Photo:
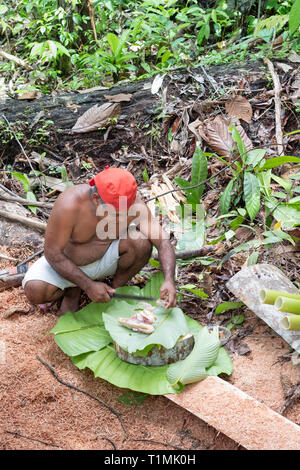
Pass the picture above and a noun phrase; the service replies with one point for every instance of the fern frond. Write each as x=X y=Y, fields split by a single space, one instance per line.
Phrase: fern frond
x=275 y=21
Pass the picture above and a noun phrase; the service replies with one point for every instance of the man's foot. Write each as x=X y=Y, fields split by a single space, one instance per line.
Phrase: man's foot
x=46 y=307
x=70 y=302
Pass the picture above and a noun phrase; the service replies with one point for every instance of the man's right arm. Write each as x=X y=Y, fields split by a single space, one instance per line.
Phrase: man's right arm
x=58 y=233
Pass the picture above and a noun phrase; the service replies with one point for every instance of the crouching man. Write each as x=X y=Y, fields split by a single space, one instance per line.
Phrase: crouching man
x=95 y=231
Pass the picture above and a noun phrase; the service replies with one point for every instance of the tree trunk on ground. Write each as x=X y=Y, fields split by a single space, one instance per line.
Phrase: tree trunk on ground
x=136 y=120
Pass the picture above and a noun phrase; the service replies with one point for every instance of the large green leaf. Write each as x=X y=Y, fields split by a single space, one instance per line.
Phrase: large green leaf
x=251 y=194
x=152 y=288
x=288 y=215
x=222 y=365
x=294 y=17
x=82 y=335
x=83 y=331
x=199 y=173
x=225 y=200
x=277 y=161
x=193 y=368
x=169 y=326
x=106 y=365
x=193 y=236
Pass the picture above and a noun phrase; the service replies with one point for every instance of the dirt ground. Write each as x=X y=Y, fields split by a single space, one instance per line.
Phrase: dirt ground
x=35 y=405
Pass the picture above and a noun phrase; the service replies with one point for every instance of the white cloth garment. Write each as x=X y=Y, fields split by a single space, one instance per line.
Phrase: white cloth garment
x=41 y=270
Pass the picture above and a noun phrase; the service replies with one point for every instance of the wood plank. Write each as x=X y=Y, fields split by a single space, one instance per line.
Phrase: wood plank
x=239 y=416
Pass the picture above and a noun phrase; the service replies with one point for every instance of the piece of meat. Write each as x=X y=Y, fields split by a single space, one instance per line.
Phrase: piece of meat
x=147 y=312
x=141 y=321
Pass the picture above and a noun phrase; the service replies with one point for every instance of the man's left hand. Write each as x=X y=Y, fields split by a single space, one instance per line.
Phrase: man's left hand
x=168 y=293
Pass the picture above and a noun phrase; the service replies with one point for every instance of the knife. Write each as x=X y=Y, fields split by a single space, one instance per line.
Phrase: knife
x=134 y=297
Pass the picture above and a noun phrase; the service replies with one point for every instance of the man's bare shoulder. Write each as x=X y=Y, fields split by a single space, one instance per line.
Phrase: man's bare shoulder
x=73 y=196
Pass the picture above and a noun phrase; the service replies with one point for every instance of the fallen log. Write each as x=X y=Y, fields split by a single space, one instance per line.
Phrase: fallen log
x=64 y=109
x=36 y=224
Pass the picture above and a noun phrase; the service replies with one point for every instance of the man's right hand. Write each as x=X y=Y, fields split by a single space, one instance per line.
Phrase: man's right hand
x=99 y=292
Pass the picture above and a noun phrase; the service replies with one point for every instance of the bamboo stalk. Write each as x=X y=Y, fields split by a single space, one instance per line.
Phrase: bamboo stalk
x=285 y=304
x=290 y=322
x=269 y=296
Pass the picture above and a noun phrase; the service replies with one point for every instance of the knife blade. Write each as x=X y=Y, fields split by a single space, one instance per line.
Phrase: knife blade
x=134 y=297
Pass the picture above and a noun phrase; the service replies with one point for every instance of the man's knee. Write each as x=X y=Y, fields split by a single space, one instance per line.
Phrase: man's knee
x=138 y=245
x=38 y=292
x=141 y=246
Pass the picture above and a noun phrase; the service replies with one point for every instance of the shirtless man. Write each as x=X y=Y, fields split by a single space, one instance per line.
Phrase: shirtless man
x=89 y=237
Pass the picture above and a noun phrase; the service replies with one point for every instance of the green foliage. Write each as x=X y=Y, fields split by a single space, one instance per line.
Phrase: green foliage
x=294 y=17
x=193 y=368
x=135 y=39
x=226 y=306
x=23 y=178
x=84 y=337
x=133 y=398
x=193 y=289
x=199 y=174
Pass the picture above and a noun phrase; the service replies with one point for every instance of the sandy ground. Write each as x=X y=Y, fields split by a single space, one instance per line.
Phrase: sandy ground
x=35 y=405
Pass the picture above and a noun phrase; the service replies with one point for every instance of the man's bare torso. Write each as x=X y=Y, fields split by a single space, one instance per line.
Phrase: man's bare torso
x=84 y=245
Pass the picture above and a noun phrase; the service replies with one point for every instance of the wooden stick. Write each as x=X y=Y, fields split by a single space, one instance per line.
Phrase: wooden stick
x=92 y=17
x=16 y=433
x=25 y=202
x=189 y=253
x=15 y=59
x=36 y=224
x=6 y=282
x=37 y=253
x=277 y=91
x=8 y=257
x=67 y=384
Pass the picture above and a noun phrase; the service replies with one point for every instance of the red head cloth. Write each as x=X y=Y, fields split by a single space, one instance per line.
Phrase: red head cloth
x=116 y=187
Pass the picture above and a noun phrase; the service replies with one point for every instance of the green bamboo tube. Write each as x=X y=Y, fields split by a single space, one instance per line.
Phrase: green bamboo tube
x=290 y=322
x=268 y=296
x=284 y=304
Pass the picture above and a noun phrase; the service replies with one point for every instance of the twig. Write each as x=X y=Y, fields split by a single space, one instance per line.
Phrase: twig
x=16 y=433
x=21 y=146
x=15 y=59
x=277 y=90
x=7 y=257
x=110 y=441
x=157 y=442
x=8 y=190
x=291 y=396
x=210 y=79
x=86 y=393
x=37 y=253
x=24 y=220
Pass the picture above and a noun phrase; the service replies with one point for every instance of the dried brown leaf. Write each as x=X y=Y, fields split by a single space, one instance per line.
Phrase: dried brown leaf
x=239 y=107
x=118 y=98
x=95 y=117
x=29 y=95
x=217 y=134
